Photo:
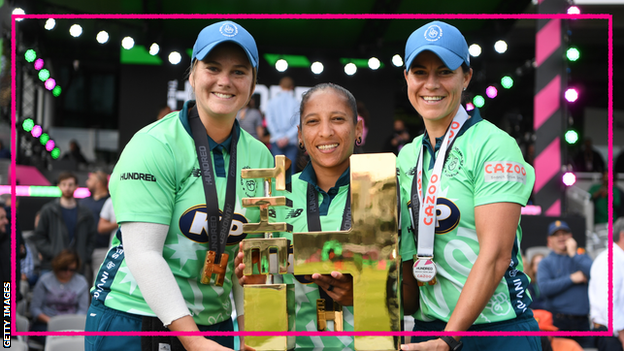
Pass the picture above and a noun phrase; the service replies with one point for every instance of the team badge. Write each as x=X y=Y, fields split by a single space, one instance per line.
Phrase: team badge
x=249 y=185
x=454 y=163
x=228 y=29
x=433 y=33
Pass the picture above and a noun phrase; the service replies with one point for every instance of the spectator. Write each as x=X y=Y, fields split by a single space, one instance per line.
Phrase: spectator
x=588 y=159
x=400 y=136
x=64 y=223
x=544 y=319
x=250 y=119
x=59 y=292
x=165 y=110
x=281 y=123
x=562 y=278
x=598 y=288
x=538 y=300
x=74 y=153
x=363 y=116
x=600 y=196
x=4 y=152
x=108 y=223
x=97 y=183
x=31 y=263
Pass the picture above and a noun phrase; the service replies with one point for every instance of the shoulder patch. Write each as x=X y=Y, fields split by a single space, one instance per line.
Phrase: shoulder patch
x=504 y=171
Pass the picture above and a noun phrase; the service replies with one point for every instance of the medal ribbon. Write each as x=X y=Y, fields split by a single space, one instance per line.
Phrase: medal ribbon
x=218 y=230
x=424 y=205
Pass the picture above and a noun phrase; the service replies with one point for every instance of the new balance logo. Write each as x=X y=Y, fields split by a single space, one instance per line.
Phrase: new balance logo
x=294 y=213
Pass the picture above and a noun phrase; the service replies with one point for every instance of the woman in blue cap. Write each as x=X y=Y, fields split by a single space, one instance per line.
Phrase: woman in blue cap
x=463 y=184
x=176 y=191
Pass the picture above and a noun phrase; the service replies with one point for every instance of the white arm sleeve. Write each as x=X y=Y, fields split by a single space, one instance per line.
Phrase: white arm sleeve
x=143 y=245
x=239 y=296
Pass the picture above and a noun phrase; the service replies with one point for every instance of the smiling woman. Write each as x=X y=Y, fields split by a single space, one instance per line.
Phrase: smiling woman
x=328 y=130
x=173 y=217
x=460 y=209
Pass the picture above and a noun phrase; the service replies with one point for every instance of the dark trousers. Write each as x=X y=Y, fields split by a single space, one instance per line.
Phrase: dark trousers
x=155 y=343
x=566 y=322
x=607 y=343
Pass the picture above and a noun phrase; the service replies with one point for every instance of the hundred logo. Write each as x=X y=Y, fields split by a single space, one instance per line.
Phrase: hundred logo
x=137 y=176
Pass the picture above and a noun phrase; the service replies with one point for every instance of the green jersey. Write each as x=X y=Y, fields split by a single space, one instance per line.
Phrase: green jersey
x=331 y=208
x=484 y=165
x=158 y=180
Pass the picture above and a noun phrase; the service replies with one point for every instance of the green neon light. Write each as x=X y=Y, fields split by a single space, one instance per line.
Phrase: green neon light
x=30 y=55
x=507 y=82
x=56 y=152
x=56 y=91
x=43 y=139
x=293 y=60
x=138 y=55
x=45 y=191
x=44 y=74
x=478 y=101
x=573 y=54
x=28 y=124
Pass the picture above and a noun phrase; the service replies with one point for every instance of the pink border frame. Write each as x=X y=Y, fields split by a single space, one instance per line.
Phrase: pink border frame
x=608 y=17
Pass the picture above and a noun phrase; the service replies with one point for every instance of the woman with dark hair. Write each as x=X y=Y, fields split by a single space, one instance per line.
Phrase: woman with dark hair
x=61 y=291
x=328 y=131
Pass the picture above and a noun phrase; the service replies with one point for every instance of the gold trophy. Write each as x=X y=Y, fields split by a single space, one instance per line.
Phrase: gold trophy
x=268 y=307
x=368 y=251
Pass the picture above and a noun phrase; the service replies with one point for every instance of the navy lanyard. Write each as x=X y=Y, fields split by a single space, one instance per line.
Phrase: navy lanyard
x=218 y=230
x=314 y=217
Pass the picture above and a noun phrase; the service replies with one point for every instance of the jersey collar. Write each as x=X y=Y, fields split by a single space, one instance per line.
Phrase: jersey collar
x=183 y=115
x=475 y=117
x=309 y=176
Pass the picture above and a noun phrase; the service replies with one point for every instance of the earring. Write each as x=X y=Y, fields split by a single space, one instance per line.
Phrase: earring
x=358 y=141
x=301 y=147
x=464 y=88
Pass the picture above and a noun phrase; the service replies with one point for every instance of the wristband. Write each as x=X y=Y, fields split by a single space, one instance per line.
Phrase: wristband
x=453 y=344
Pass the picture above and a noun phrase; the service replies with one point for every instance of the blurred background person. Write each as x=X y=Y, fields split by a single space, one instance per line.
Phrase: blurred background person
x=588 y=159
x=250 y=119
x=65 y=224
x=531 y=270
x=97 y=183
x=281 y=113
x=364 y=117
x=165 y=110
x=600 y=197
x=74 y=153
x=400 y=136
x=61 y=291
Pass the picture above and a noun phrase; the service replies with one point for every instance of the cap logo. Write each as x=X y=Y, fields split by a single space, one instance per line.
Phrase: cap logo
x=557 y=223
x=228 y=30
x=433 y=33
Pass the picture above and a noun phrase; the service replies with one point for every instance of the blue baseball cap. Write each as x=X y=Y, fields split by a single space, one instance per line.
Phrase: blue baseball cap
x=440 y=38
x=558 y=225
x=221 y=32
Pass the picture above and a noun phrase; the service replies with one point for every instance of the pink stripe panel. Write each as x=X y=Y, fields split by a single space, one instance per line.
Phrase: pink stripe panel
x=555 y=209
x=547 y=164
x=547 y=101
x=548 y=39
